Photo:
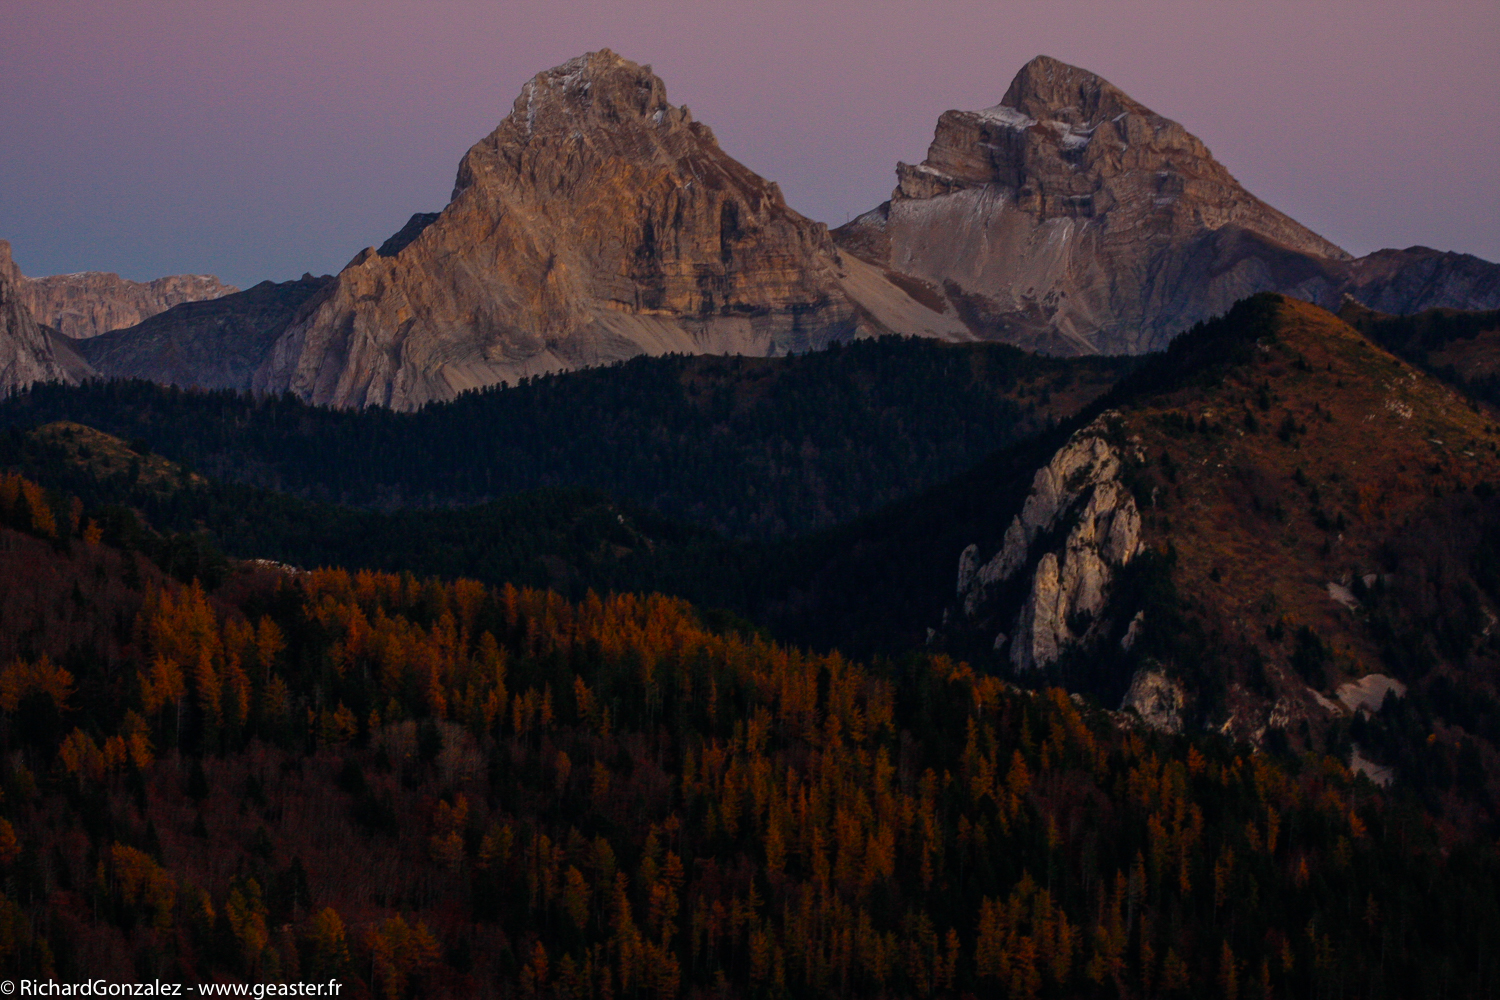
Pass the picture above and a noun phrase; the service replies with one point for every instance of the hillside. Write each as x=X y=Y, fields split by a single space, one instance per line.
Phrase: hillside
x=571 y=540
x=429 y=788
x=214 y=344
x=1462 y=348
x=1274 y=524
x=748 y=447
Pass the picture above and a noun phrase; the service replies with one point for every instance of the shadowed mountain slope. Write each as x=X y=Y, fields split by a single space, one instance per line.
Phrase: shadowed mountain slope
x=216 y=344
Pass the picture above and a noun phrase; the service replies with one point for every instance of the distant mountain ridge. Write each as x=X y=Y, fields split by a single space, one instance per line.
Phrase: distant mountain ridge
x=1069 y=218
x=90 y=303
x=214 y=344
x=598 y=222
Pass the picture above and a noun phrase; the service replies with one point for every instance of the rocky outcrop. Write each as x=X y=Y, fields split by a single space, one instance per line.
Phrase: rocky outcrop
x=1157 y=699
x=1071 y=219
x=28 y=352
x=217 y=344
x=1077 y=527
x=1369 y=692
x=88 y=304
x=597 y=222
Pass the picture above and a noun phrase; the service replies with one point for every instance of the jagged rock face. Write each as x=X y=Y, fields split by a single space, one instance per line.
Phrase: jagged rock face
x=1071 y=219
x=1078 y=494
x=85 y=305
x=597 y=222
x=28 y=352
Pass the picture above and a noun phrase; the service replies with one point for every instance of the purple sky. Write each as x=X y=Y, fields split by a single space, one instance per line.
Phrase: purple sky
x=260 y=140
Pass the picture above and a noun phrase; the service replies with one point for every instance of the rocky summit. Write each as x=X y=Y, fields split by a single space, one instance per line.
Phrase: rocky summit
x=597 y=222
x=1069 y=218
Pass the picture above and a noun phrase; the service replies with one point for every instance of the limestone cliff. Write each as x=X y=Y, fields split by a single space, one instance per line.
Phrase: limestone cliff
x=85 y=305
x=1071 y=219
x=597 y=222
x=1157 y=699
x=1078 y=526
x=28 y=351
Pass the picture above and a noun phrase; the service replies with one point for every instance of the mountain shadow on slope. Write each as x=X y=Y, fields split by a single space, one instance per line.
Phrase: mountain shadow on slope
x=214 y=344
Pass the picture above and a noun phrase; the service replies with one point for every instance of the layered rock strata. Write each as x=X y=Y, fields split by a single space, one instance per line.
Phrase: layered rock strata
x=1072 y=219
x=1078 y=526
x=597 y=222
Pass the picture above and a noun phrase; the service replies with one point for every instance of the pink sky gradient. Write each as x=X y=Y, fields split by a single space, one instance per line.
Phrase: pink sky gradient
x=261 y=140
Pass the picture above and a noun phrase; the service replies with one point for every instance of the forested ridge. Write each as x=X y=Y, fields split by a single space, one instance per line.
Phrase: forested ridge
x=610 y=798
x=569 y=538
x=748 y=447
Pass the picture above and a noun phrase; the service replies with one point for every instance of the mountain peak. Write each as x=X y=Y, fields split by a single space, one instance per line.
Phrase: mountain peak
x=8 y=269
x=595 y=222
x=1028 y=211
x=597 y=87
x=1050 y=89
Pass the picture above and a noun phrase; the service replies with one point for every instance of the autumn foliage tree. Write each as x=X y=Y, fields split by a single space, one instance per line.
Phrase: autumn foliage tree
x=503 y=793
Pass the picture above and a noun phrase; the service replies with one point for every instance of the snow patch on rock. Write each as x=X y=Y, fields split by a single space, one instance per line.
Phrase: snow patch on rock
x=1360 y=764
x=1003 y=115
